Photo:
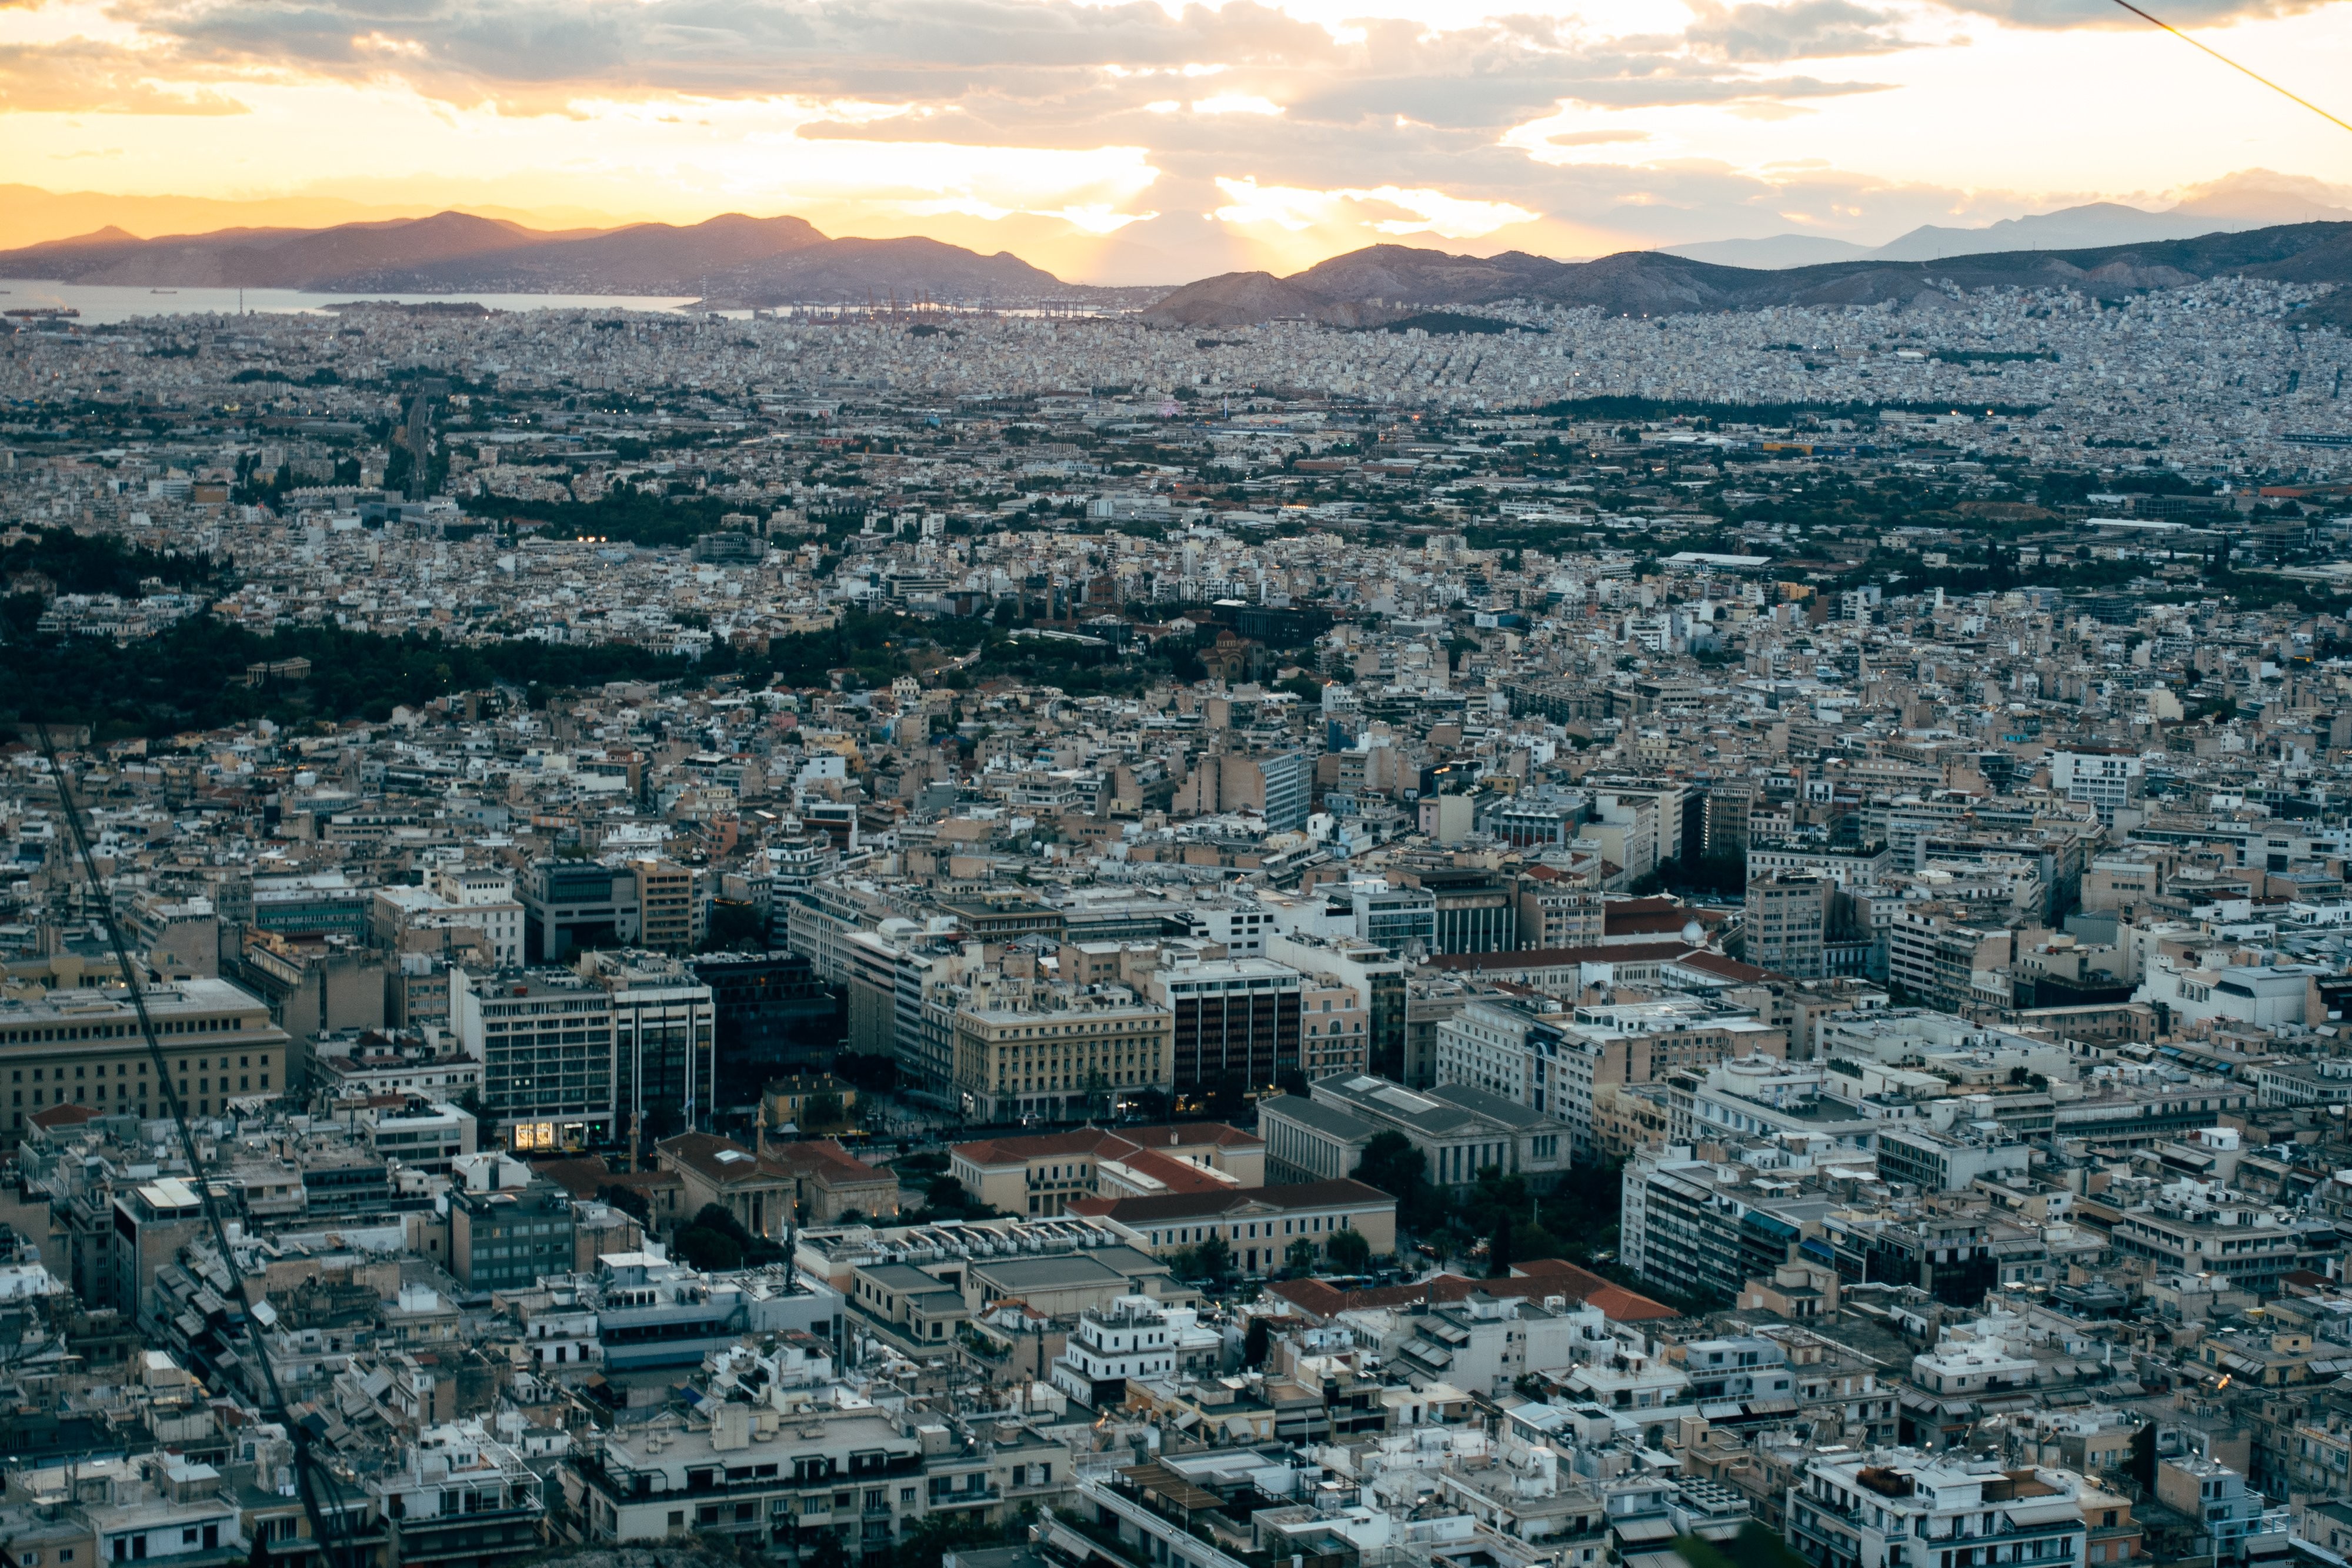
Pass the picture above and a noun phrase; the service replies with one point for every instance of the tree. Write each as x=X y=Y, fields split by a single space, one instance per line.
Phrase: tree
x=1392 y=1164
x=1212 y=1259
x=1498 y=1251
x=825 y=1551
x=1299 y=1256
x=1349 y=1251
x=734 y=924
x=628 y=1200
x=713 y=1241
x=1256 y=1342
x=821 y=1110
x=713 y=1252
x=926 y=1541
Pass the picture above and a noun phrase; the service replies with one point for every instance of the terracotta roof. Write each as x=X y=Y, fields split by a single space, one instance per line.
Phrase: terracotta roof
x=1107 y=1144
x=65 y=1116
x=580 y=1177
x=1177 y=1206
x=1010 y=1151
x=822 y=1157
x=644 y=1181
x=716 y=1159
x=1543 y=1277
x=1730 y=968
x=1175 y=1132
x=1175 y=1174
x=1652 y=906
x=1559 y=1277
x=1554 y=957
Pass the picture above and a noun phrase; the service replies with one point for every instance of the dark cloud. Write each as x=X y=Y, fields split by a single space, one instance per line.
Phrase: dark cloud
x=1390 y=103
x=935 y=48
x=1060 y=59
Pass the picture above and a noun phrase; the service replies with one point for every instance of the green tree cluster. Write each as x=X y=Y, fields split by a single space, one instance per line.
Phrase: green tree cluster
x=715 y=1241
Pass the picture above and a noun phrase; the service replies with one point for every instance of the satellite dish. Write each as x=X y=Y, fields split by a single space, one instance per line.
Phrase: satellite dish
x=1695 y=935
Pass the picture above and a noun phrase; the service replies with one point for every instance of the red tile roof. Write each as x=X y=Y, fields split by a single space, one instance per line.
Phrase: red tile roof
x=1044 y=1146
x=1175 y=1175
x=1168 y=1135
x=1730 y=968
x=1104 y=1143
x=580 y=1177
x=1179 y=1207
x=1543 y=1277
x=1559 y=1277
x=1557 y=957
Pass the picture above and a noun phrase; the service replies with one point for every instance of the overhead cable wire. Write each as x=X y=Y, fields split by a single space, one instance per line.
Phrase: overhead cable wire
x=2247 y=70
x=310 y=1472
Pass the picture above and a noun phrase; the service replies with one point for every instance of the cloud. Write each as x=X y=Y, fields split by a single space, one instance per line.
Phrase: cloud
x=1810 y=29
x=80 y=75
x=2054 y=15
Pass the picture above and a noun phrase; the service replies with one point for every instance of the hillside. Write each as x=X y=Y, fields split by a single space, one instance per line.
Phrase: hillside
x=1388 y=281
x=732 y=259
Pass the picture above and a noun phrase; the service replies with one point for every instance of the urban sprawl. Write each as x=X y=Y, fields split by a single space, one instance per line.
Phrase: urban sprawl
x=880 y=937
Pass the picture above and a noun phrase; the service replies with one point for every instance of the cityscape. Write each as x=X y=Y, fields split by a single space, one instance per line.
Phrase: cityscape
x=1242 y=926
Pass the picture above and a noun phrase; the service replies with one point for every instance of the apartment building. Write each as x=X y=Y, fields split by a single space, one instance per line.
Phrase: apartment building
x=1876 y=1509
x=780 y=1483
x=1787 y=923
x=671 y=915
x=545 y=1041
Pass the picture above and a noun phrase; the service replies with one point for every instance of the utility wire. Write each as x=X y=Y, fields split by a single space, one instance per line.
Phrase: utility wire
x=310 y=1471
x=2234 y=65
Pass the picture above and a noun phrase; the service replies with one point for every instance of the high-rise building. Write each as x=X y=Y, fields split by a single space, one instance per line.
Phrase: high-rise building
x=665 y=1061
x=569 y=905
x=771 y=1017
x=1238 y=1029
x=1788 y=920
x=669 y=916
x=545 y=1041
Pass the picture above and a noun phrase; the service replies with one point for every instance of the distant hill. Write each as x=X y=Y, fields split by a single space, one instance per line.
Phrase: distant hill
x=1386 y=282
x=732 y=259
x=853 y=271
x=2249 y=201
x=643 y=258
x=1773 y=252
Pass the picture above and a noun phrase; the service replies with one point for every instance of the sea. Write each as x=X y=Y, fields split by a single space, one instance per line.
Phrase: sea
x=103 y=304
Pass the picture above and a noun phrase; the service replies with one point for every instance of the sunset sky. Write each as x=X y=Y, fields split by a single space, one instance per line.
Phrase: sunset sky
x=1143 y=141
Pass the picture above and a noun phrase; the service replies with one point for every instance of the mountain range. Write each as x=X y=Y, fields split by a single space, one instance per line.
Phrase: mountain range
x=734 y=260
x=1387 y=282
x=2255 y=199
x=730 y=259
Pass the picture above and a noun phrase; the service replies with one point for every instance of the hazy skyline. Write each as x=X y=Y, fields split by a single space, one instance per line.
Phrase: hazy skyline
x=1137 y=142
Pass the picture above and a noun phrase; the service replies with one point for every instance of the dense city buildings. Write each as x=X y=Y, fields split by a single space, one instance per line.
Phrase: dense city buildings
x=882 y=933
